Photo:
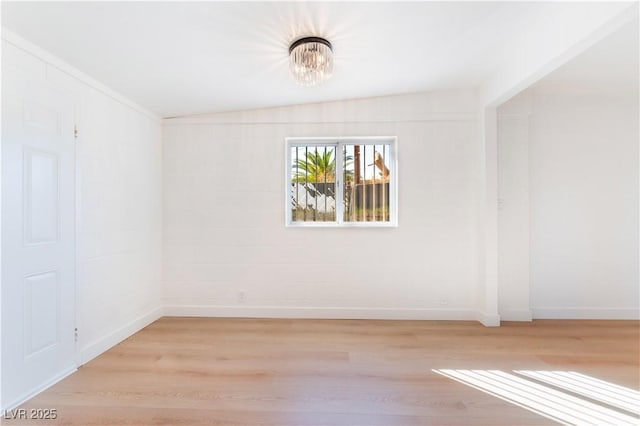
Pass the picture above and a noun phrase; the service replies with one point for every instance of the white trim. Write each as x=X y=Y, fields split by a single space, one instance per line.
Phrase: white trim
x=319 y=312
x=516 y=315
x=193 y=120
x=488 y=320
x=487 y=219
x=105 y=343
x=35 y=391
x=77 y=221
x=324 y=140
x=586 y=313
x=1 y=257
x=52 y=60
x=441 y=105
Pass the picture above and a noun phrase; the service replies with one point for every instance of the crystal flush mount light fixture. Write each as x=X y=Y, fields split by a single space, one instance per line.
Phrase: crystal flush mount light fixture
x=311 y=60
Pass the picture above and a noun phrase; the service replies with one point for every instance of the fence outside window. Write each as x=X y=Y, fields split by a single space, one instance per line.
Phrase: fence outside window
x=341 y=181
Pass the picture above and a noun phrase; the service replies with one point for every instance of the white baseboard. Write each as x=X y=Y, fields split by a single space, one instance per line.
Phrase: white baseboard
x=516 y=315
x=105 y=343
x=488 y=320
x=586 y=313
x=318 y=312
x=33 y=392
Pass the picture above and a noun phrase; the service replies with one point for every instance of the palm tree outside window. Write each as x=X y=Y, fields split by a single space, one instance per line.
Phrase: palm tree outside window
x=346 y=181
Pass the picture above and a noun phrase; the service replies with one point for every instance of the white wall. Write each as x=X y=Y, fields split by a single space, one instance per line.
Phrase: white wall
x=513 y=210
x=224 y=227
x=120 y=222
x=486 y=189
x=119 y=207
x=583 y=204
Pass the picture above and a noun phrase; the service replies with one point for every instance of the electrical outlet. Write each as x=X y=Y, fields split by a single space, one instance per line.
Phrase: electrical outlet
x=443 y=302
x=242 y=297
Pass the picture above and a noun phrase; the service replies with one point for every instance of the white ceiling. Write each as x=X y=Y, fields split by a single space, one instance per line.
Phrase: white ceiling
x=609 y=68
x=180 y=58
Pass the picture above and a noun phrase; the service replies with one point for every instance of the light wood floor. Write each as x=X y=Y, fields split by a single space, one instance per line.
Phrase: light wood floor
x=192 y=371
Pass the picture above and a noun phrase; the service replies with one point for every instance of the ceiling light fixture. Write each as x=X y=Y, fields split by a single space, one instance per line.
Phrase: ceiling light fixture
x=311 y=60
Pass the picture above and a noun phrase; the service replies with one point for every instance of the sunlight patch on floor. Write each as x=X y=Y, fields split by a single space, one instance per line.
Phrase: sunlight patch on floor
x=597 y=406
x=599 y=390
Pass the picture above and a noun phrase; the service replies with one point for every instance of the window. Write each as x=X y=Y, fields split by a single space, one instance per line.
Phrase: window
x=341 y=181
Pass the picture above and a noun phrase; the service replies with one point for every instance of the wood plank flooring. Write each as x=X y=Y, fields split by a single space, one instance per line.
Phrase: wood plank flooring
x=212 y=371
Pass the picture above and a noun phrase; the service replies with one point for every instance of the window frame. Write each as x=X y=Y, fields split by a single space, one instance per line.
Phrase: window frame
x=338 y=143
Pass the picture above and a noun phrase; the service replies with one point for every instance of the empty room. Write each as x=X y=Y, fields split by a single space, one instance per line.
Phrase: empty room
x=320 y=213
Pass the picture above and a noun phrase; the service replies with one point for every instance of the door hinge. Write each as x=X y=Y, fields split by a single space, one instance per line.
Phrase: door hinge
x=75 y=334
x=75 y=132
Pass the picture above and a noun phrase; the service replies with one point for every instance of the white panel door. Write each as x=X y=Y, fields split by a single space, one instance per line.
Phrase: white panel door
x=38 y=230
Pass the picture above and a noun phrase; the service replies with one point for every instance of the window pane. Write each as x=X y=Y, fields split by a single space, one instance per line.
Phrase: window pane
x=366 y=182
x=341 y=181
x=313 y=183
